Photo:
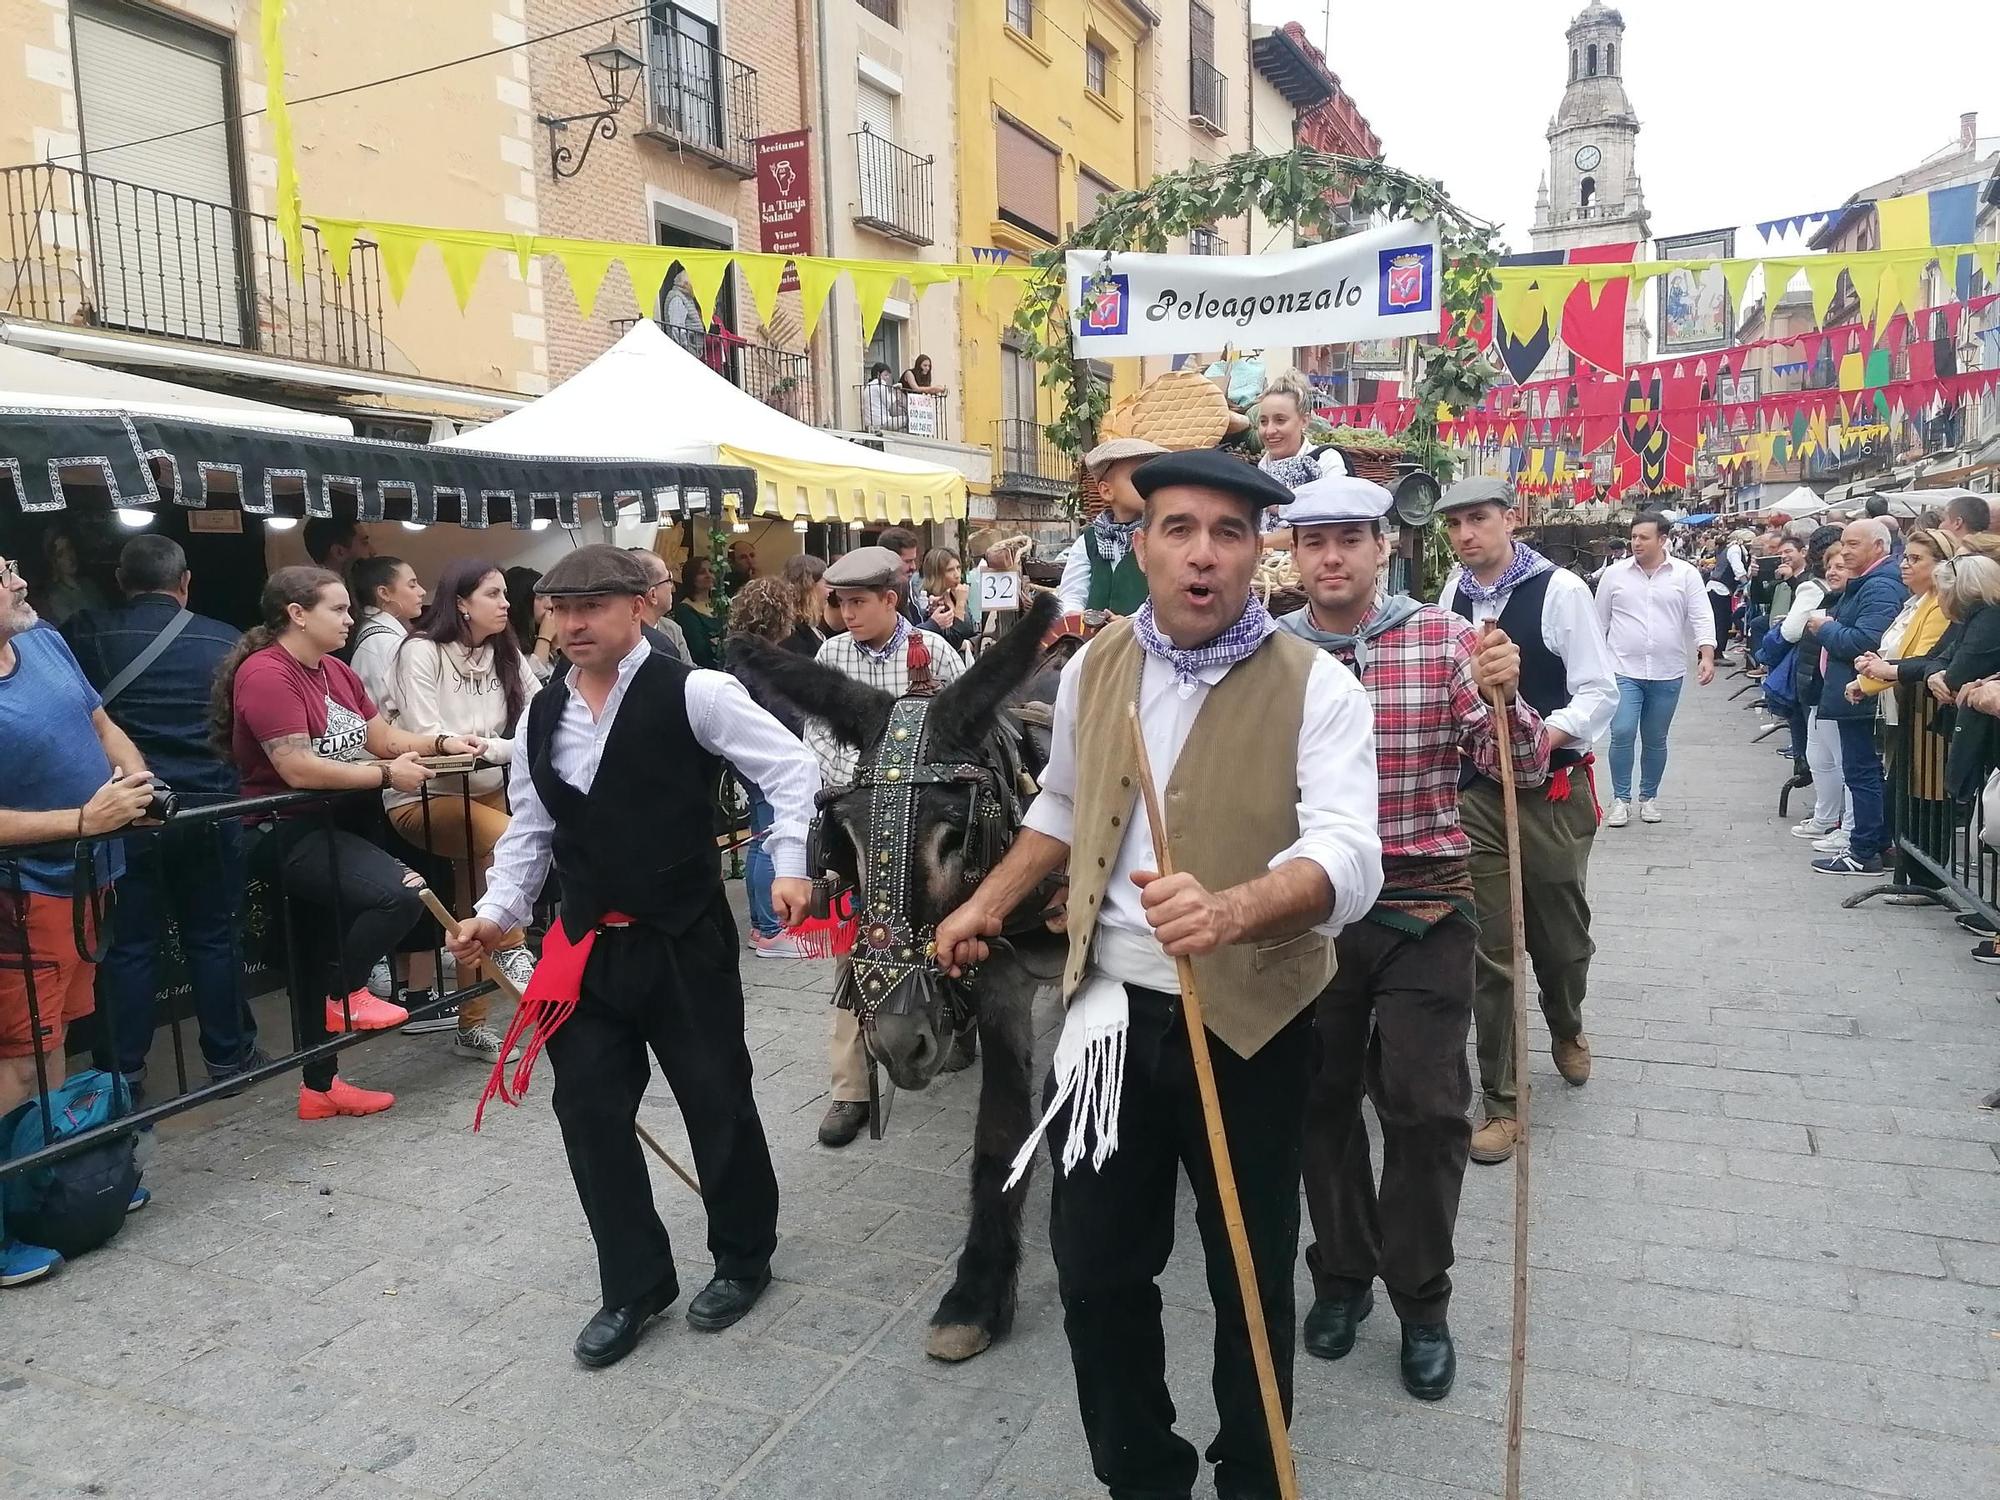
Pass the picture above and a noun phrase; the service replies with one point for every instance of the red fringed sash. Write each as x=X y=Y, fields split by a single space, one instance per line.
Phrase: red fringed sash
x=1559 y=783
x=549 y=1000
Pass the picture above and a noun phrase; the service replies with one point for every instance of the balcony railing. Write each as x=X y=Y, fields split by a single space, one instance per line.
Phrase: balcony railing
x=702 y=101
x=82 y=249
x=890 y=408
x=895 y=188
x=1026 y=462
x=1208 y=95
x=780 y=378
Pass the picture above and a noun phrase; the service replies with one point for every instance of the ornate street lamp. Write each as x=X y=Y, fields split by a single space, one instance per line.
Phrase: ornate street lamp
x=618 y=73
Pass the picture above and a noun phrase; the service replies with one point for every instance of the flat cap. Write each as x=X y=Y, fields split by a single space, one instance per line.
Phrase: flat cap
x=1210 y=469
x=1111 y=450
x=1468 y=492
x=1336 y=500
x=596 y=569
x=864 y=568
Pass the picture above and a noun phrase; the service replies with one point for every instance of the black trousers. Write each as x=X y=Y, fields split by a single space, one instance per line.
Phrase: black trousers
x=1392 y=1024
x=683 y=998
x=1112 y=1232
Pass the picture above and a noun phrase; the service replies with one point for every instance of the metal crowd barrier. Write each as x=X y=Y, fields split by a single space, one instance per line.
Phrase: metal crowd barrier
x=1937 y=852
x=94 y=921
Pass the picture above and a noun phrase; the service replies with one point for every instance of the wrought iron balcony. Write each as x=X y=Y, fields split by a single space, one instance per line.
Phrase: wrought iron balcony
x=780 y=378
x=82 y=249
x=890 y=408
x=1026 y=462
x=702 y=101
x=1208 y=96
x=895 y=188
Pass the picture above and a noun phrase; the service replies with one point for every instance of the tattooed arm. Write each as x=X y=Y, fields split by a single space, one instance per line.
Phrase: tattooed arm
x=303 y=769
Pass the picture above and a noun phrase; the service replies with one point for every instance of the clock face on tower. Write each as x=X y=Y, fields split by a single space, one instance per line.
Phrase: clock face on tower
x=1587 y=158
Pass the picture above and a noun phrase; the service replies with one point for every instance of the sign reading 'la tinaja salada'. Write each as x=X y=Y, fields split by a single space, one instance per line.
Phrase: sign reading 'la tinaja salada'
x=1381 y=283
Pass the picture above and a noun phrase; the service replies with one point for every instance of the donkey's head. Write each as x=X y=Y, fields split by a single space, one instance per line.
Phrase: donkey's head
x=931 y=810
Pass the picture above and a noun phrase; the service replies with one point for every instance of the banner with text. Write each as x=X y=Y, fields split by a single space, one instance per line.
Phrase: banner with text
x=1379 y=284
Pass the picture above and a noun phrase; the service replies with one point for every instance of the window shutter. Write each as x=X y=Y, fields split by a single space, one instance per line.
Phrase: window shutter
x=1089 y=188
x=1201 y=32
x=166 y=264
x=875 y=108
x=1029 y=180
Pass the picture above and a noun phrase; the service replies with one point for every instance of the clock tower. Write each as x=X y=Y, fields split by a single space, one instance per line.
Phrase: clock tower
x=1591 y=195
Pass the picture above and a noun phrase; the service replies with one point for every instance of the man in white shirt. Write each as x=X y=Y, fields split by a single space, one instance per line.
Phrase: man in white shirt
x=611 y=787
x=1653 y=607
x=881 y=648
x=1730 y=573
x=1566 y=677
x=1264 y=754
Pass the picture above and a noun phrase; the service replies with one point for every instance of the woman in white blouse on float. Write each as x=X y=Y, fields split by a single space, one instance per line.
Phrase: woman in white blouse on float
x=461 y=673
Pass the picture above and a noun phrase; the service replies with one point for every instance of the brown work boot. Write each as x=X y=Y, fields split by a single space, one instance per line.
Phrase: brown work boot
x=1495 y=1140
x=1572 y=1058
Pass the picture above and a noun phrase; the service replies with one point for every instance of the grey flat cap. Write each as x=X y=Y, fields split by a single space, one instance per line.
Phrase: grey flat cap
x=596 y=569
x=1468 y=492
x=864 y=568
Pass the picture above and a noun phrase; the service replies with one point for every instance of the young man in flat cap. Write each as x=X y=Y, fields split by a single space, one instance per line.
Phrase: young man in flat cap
x=883 y=649
x=610 y=785
x=1266 y=772
x=1566 y=677
x=1393 y=1022
x=1103 y=577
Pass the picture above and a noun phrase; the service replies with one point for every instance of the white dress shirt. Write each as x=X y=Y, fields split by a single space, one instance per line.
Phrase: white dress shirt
x=1651 y=619
x=1337 y=790
x=1074 y=589
x=726 y=723
x=1570 y=629
x=1739 y=565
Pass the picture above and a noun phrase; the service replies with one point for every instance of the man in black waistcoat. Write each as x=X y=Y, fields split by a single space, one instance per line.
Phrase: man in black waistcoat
x=610 y=783
x=1566 y=676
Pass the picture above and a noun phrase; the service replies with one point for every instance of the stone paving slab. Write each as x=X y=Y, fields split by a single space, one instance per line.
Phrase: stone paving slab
x=1766 y=1258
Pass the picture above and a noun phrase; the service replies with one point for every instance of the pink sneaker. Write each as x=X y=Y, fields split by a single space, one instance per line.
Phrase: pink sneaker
x=341 y=1098
x=370 y=1012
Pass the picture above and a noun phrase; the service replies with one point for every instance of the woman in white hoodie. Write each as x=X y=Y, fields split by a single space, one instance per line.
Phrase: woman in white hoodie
x=461 y=674
x=390 y=600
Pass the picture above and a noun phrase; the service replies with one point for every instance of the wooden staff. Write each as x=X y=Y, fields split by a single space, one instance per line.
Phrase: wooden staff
x=449 y=923
x=1218 y=1150
x=1517 y=1363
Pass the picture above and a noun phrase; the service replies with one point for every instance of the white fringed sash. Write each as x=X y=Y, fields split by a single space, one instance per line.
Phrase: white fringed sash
x=1090 y=1073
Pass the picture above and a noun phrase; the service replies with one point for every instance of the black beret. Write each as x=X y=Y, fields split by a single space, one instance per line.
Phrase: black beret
x=1210 y=469
x=596 y=569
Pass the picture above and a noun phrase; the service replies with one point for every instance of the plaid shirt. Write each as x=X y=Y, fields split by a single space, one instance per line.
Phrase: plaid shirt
x=1428 y=713
x=837 y=761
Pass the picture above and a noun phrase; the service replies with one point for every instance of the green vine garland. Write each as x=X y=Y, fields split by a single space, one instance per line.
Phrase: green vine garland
x=1296 y=188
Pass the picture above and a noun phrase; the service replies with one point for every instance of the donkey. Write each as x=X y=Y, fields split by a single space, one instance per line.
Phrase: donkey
x=938 y=798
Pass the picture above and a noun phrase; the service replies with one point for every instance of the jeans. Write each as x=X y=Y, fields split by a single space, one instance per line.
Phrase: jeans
x=1645 y=711
x=1861 y=763
x=757 y=869
x=193 y=876
x=342 y=873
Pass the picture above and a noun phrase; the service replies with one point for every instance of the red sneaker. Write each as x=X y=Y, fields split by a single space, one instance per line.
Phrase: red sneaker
x=341 y=1098
x=370 y=1012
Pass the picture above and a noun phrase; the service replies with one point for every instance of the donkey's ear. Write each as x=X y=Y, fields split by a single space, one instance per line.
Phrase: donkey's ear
x=857 y=714
x=965 y=710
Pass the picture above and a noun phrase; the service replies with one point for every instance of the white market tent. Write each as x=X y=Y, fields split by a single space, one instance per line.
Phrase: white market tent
x=47 y=382
x=647 y=398
x=1799 y=501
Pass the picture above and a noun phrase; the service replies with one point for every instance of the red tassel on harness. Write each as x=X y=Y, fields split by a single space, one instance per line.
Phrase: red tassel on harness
x=830 y=936
x=549 y=1000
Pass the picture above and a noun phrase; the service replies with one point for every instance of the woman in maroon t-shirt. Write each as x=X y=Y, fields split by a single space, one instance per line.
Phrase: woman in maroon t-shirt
x=294 y=717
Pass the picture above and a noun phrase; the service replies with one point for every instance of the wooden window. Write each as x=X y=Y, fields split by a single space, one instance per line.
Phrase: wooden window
x=1096 y=68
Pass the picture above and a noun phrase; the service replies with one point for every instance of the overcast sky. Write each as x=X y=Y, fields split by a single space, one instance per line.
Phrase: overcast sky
x=1749 y=109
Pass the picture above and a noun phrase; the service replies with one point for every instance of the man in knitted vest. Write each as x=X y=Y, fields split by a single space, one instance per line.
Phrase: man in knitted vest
x=1267 y=765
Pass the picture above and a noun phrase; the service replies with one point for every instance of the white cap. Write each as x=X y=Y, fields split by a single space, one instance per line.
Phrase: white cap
x=1335 y=500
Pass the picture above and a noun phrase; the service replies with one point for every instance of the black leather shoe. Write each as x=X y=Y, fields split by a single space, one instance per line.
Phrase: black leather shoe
x=726 y=1299
x=843 y=1122
x=1331 y=1324
x=614 y=1332
x=1430 y=1363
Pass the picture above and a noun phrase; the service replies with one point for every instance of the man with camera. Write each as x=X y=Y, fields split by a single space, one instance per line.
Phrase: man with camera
x=73 y=775
x=152 y=661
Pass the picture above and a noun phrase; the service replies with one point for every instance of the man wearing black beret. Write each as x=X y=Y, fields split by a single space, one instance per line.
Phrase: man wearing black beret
x=1266 y=758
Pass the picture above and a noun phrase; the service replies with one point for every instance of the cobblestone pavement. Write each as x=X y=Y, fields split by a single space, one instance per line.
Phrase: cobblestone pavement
x=1766 y=1258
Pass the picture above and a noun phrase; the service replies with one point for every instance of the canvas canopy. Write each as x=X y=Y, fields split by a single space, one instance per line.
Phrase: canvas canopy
x=647 y=398
x=31 y=381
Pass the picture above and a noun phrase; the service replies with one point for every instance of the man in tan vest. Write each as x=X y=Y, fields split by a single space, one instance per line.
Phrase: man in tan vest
x=1266 y=753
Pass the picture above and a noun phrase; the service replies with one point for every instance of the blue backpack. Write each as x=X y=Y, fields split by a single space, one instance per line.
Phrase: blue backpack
x=76 y=1204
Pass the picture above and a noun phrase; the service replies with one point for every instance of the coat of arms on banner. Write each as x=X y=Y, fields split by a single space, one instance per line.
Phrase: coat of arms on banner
x=1406 y=279
x=1112 y=295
